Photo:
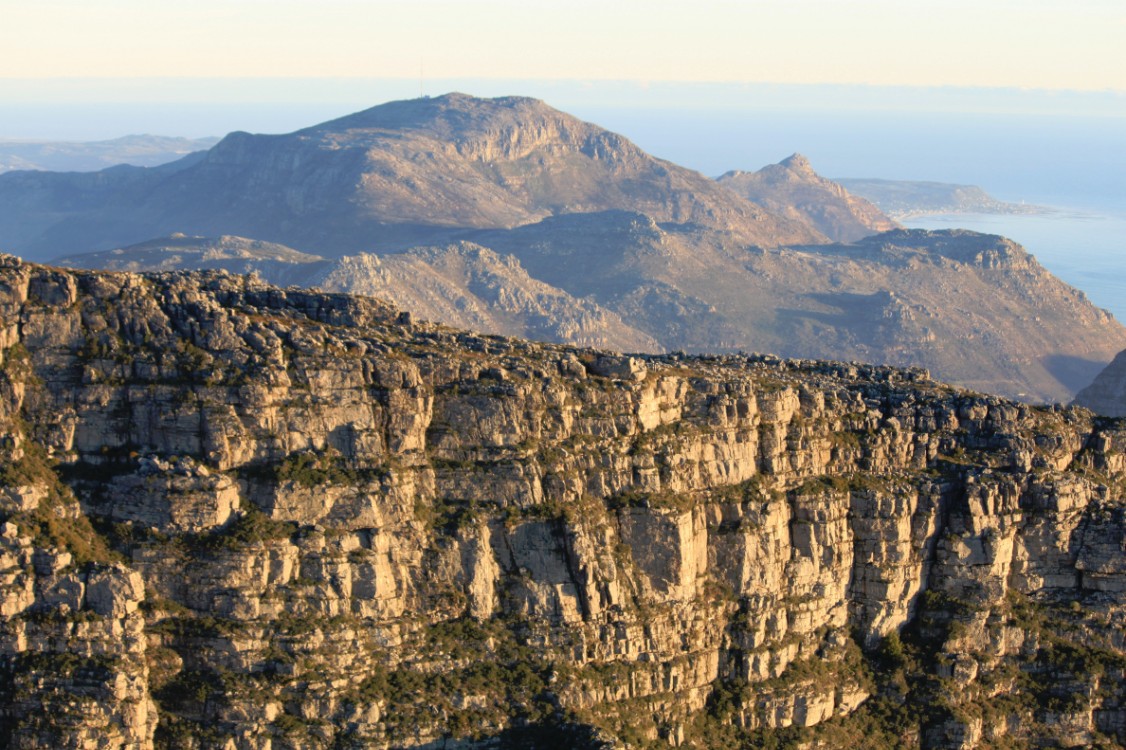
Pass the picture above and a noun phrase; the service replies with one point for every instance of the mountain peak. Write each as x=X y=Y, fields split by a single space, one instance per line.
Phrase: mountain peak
x=404 y=173
x=450 y=112
x=793 y=189
x=797 y=163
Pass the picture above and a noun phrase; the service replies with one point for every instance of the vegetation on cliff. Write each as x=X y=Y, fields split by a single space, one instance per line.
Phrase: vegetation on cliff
x=306 y=522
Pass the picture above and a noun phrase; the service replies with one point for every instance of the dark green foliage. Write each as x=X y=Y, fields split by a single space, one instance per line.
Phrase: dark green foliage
x=190 y=691
x=508 y=682
x=56 y=522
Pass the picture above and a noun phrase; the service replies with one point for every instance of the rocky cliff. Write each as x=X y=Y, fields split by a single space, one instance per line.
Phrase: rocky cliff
x=236 y=516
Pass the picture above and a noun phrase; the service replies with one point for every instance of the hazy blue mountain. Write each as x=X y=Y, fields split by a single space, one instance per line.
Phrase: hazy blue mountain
x=903 y=198
x=396 y=175
x=91 y=156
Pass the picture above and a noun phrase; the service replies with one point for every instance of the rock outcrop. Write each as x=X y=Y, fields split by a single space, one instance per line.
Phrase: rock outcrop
x=793 y=189
x=241 y=516
x=1107 y=394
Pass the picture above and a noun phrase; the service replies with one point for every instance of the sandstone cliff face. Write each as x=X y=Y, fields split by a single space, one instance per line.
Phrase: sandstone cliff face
x=238 y=516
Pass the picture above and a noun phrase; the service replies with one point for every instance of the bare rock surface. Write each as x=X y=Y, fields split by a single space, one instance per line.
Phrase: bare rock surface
x=792 y=188
x=235 y=515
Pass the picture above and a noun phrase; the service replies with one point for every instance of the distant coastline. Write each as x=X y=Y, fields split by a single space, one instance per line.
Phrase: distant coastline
x=911 y=199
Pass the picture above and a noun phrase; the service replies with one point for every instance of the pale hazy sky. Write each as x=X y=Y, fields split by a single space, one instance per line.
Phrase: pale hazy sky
x=1052 y=44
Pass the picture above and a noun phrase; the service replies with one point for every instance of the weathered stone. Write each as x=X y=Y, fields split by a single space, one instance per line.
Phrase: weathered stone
x=317 y=502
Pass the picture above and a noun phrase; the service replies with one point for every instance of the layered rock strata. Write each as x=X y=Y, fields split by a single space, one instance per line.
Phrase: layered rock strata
x=241 y=516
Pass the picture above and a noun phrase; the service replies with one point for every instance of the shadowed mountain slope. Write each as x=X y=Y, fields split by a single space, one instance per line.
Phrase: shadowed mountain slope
x=1107 y=394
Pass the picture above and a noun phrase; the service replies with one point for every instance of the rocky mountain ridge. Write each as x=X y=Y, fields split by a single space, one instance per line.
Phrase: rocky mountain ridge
x=974 y=309
x=791 y=188
x=241 y=516
x=396 y=175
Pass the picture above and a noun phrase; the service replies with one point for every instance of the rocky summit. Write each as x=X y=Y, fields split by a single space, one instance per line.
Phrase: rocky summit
x=399 y=174
x=791 y=188
x=239 y=516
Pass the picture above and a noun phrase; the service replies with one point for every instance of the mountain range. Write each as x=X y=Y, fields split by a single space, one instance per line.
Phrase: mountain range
x=84 y=156
x=508 y=216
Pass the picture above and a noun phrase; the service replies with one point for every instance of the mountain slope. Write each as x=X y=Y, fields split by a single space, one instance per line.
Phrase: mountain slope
x=1107 y=393
x=975 y=309
x=233 y=515
x=791 y=188
x=472 y=287
x=396 y=175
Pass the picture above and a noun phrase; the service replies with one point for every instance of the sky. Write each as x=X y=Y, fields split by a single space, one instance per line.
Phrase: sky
x=1043 y=44
x=1014 y=95
x=1026 y=98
